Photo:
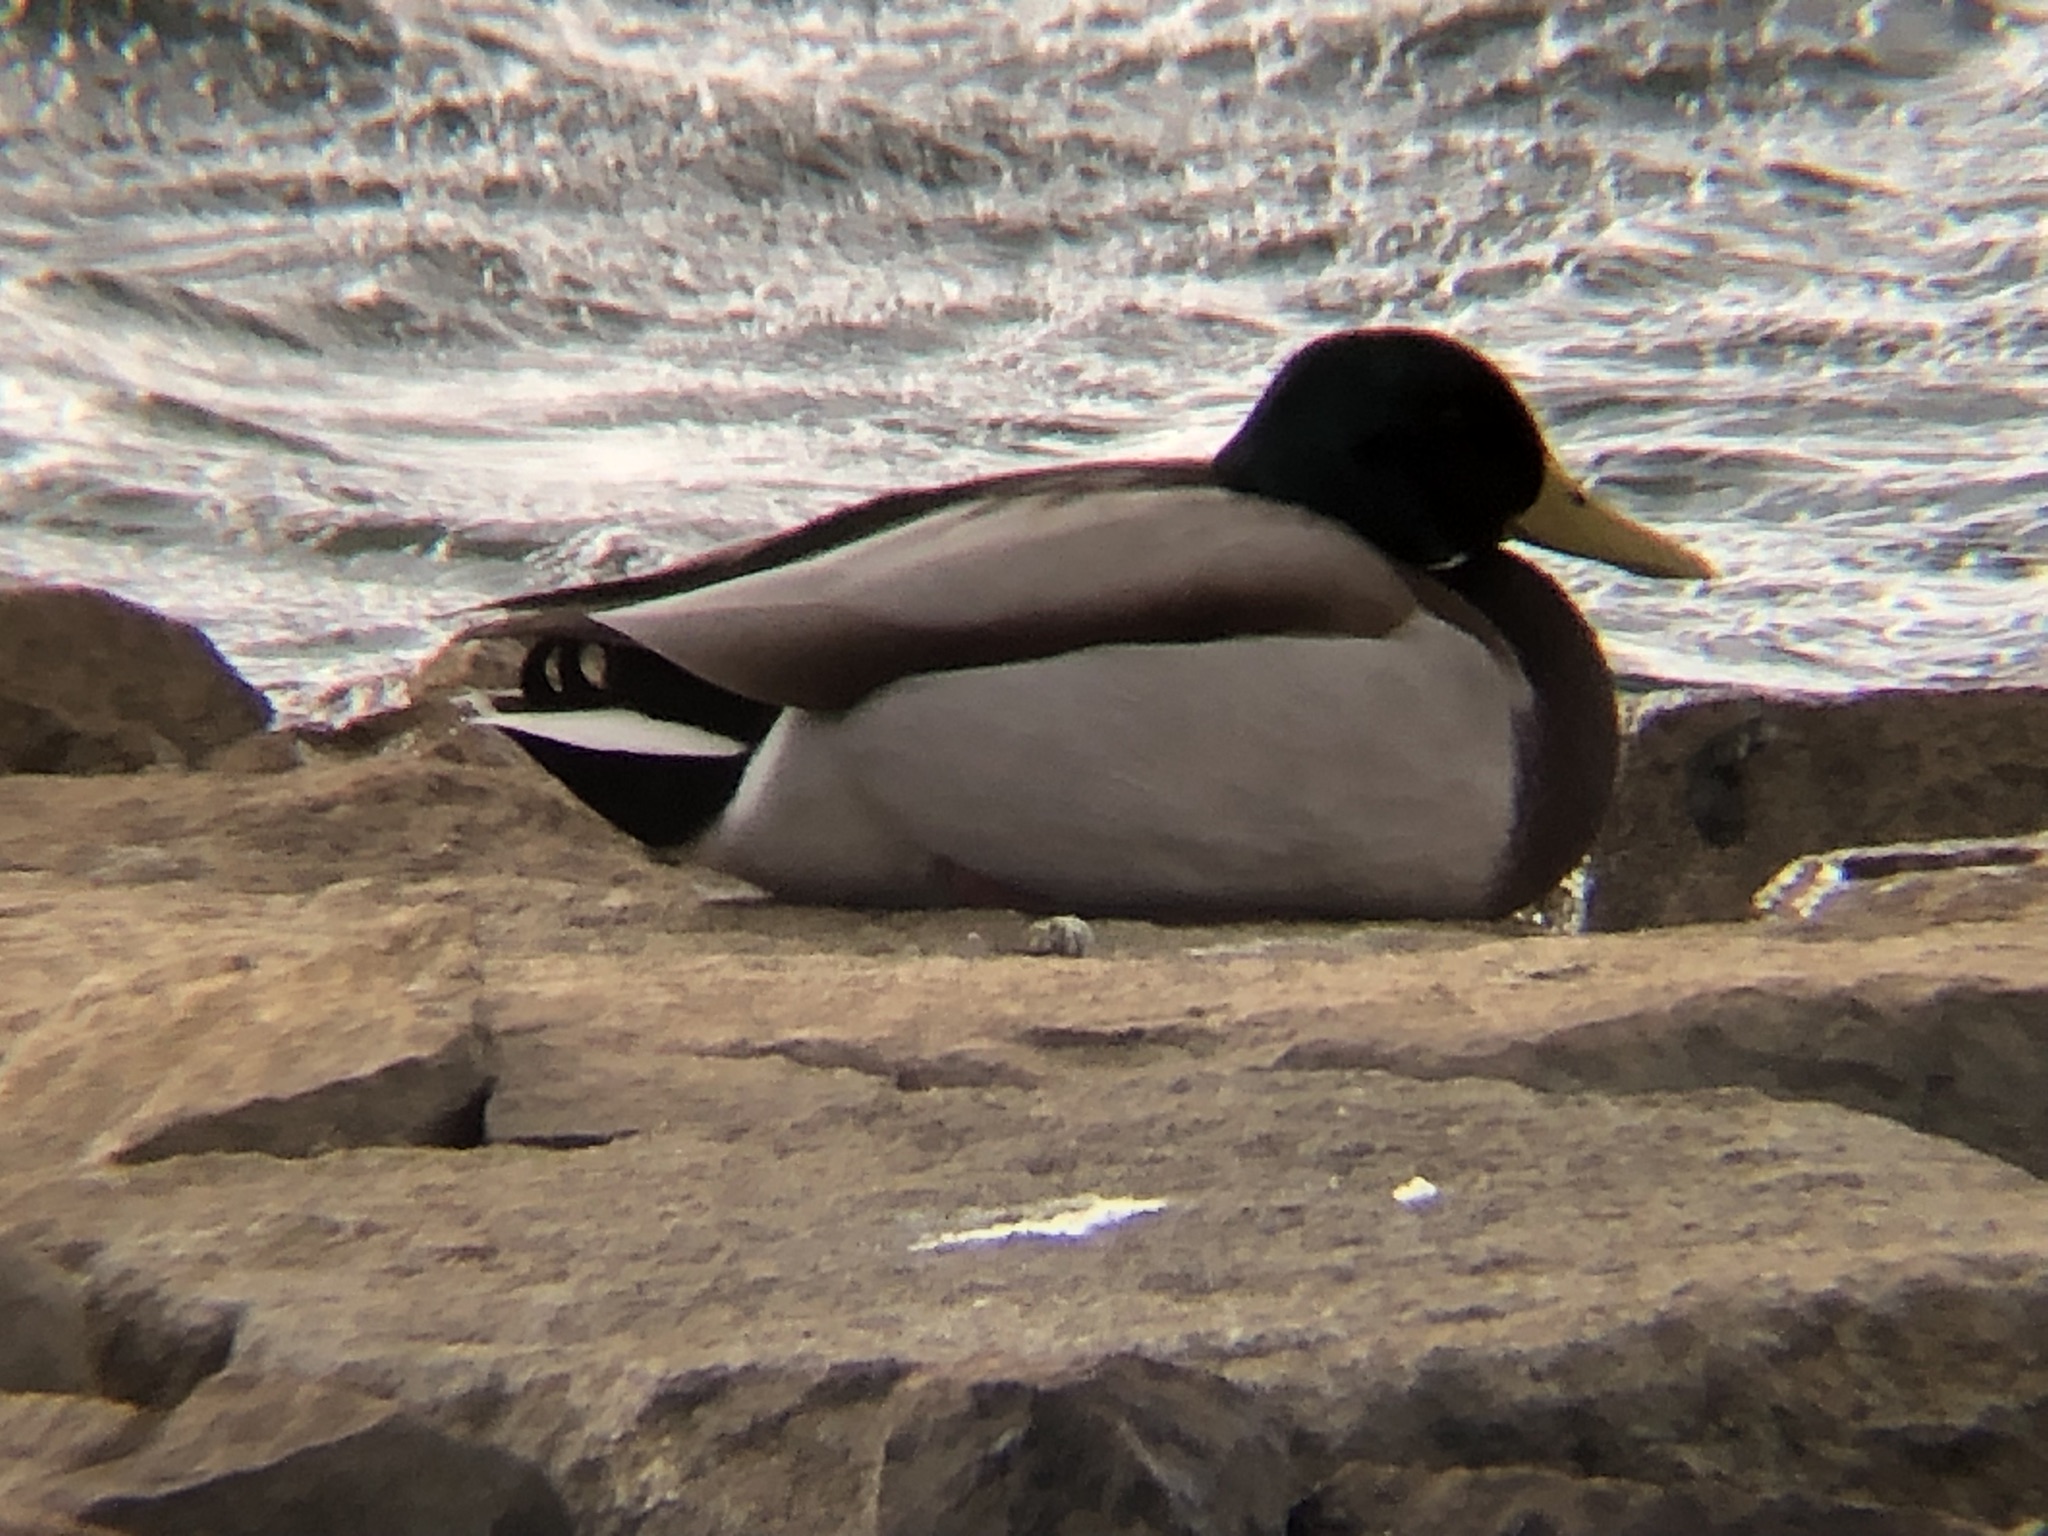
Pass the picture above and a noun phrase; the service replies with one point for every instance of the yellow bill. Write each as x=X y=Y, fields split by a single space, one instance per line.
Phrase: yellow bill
x=1564 y=517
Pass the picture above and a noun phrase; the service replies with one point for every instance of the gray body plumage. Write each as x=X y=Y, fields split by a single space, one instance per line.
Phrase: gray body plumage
x=1302 y=677
x=1366 y=766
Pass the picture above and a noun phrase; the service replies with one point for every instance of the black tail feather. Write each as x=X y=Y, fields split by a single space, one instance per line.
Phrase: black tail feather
x=663 y=801
x=570 y=672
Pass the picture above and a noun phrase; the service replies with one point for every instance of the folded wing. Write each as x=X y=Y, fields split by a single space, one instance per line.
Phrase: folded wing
x=1014 y=577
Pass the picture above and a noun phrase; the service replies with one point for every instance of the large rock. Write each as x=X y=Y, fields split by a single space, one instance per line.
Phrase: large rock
x=92 y=683
x=277 y=1457
x=830 y=1314
x=22 y=1520
x=368 y=1041
x=831 y=1222
x=1185 y=1451
x=1719 y=791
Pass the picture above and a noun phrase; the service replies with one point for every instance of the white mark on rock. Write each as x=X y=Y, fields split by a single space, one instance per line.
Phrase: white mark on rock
x=1065 y=1220
x=1418 y=1194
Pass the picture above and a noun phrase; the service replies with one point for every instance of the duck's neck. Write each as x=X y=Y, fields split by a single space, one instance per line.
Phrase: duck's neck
x=1571 y=741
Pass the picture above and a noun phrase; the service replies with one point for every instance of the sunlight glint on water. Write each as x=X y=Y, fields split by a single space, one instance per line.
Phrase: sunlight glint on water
x=318 y=331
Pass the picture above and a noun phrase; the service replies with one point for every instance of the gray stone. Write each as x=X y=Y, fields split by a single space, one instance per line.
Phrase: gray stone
x=1719 y=791
x=435 y=721
x=1954 y=1047
x=92 y=683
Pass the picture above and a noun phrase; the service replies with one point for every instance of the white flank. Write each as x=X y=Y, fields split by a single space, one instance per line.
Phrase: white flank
x=1279 y=774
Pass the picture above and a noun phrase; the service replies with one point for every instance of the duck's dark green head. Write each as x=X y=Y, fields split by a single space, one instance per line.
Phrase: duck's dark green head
x=1424 y=447
x=1413 y=439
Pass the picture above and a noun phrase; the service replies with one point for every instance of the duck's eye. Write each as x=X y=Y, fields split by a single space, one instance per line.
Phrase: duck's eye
x=591 y=662
x=551 y=669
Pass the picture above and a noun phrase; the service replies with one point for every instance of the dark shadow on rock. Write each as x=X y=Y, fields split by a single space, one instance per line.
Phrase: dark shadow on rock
x=262 y=1456
x=1969 y=1063
x=150 y=1349
x=1366 y=1500
x=1135 y=1445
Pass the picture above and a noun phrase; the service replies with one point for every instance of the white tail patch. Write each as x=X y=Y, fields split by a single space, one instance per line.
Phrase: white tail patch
x=615 y=730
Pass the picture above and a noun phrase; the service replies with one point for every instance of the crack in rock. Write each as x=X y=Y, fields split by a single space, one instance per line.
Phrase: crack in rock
x=1962 y=1061
x=261 y=1456
x=955 y=1069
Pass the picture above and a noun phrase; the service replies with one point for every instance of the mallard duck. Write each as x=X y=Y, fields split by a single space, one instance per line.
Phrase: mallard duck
x=1301 y=678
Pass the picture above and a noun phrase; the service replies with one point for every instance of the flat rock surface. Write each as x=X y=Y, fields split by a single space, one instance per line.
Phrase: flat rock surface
x=784 y=1220
x=298 y=1044
x=1607 y=1272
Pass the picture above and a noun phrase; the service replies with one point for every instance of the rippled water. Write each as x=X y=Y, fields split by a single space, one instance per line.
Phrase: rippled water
x=319 y=321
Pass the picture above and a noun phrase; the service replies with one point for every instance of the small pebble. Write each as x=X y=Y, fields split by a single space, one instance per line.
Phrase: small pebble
x=1066 y=936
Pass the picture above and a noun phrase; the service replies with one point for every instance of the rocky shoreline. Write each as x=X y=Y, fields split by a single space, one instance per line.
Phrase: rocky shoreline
x=387 y=1146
